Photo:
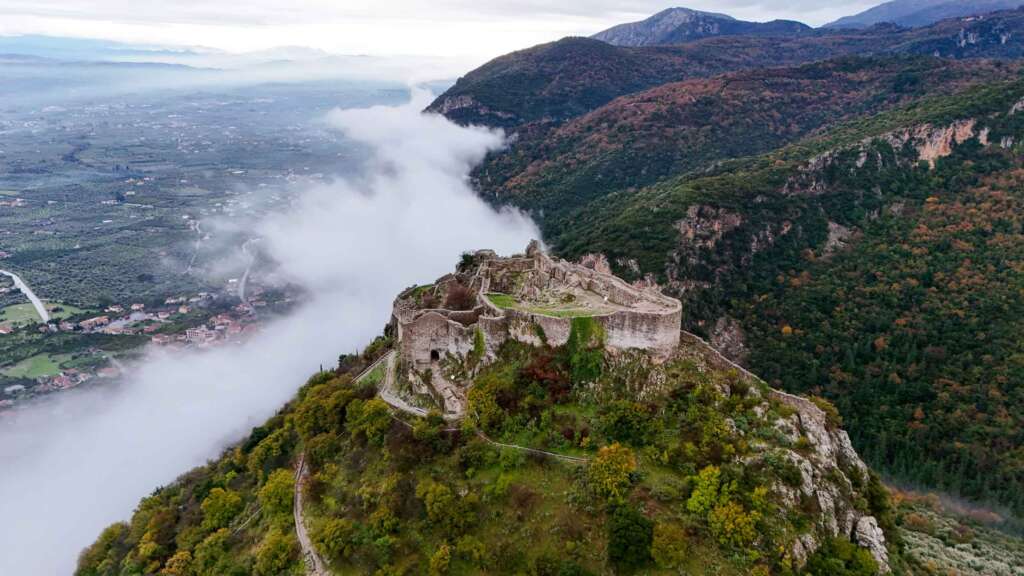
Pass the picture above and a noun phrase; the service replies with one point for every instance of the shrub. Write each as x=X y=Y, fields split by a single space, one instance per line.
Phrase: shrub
x=441 y=560
x=669 y=547
x=628 y=422
x=840 y=557
x=370 y=418
x=630 y=535
x=453 y=515
x=732 y=525
x=585 y=350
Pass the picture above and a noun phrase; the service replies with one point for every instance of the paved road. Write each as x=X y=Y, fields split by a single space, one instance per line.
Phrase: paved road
x=248 y=268
x=315 y=565
x=20 y=285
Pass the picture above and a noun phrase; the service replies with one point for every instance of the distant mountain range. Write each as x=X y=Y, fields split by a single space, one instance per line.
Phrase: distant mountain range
x=561 y=80
x=679 y=25
x=912 y=13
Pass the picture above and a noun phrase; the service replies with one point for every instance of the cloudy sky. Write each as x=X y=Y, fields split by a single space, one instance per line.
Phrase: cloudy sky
x=474 y=29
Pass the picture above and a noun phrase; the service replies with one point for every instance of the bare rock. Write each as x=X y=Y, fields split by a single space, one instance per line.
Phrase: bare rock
x=728 y=337
x=869 y=535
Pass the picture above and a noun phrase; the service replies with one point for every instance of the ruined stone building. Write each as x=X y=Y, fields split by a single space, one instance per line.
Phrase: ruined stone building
x=526 y=298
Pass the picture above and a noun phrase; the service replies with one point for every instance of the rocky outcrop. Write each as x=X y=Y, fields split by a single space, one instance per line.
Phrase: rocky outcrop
x=838 y=238
x=729 y=338
x=830 y=472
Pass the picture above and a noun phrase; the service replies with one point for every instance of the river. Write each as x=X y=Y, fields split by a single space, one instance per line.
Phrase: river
x=20 y=284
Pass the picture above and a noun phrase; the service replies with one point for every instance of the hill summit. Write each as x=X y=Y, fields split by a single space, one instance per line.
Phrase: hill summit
x=524 y=415
x=679 y=25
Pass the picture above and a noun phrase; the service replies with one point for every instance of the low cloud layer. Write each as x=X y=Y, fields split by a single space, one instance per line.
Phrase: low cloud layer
x=80 y=461
x=470 y=30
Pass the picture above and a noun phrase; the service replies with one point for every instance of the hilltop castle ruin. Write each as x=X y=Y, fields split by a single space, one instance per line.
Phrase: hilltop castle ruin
x=529 y=298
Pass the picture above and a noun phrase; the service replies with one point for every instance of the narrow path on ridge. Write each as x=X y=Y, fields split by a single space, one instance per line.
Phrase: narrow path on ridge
x=315 y=565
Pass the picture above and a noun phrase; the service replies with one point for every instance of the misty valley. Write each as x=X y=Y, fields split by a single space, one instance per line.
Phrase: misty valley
x=460 y=288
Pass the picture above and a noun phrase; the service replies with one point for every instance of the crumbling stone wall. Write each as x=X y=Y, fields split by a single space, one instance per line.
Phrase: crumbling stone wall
x=639 y=318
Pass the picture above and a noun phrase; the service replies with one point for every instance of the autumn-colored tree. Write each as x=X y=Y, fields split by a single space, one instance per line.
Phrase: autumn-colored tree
x=611 y=471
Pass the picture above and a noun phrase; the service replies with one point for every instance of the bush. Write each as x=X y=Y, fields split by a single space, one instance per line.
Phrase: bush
x=628 y=422
x=630 y=535
x=370 y=418
x=585 y=350
x=669 y=547
x=452 y=515
x=440 y=561
x=840 y=557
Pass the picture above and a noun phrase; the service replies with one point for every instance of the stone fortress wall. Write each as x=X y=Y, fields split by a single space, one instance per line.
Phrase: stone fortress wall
x=631 y=317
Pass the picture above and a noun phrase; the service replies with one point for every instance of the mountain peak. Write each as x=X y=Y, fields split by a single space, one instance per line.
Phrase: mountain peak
x=681 y=25
x=914 y=13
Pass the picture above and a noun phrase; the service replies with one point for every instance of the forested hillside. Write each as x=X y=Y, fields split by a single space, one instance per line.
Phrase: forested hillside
x=552 y=83
x=765 y=250
x=640 y=139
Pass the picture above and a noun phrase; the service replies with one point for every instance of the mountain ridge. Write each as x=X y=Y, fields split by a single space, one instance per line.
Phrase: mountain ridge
x=680 y=25
x=915 y=13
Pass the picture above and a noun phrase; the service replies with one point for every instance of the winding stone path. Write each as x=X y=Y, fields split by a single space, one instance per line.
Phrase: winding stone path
x=315 y=565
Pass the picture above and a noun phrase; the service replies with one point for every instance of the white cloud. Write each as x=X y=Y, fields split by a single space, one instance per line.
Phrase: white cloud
x=477 y=29
x=78 y=462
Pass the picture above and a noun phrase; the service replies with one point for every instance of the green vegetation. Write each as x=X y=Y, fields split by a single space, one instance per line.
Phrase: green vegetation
x=910 y=330
x=392 y=494
x=36 y=366
x=22 y=314
x=375 y=376
x=503 y=301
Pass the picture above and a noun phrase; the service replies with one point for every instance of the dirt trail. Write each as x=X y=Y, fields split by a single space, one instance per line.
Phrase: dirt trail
x=315 y=565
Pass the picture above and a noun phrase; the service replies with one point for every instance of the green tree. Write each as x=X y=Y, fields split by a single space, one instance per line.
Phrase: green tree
x=370 y=418
x=277 y=554
x=630 y=536
x=451 y=514
x=441 y=560
x=278 y=493
x=220 y=507
x=335 y=537
x=611 y=472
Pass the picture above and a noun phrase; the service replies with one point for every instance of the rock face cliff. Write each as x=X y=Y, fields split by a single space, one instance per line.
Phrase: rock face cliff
x=829 y=478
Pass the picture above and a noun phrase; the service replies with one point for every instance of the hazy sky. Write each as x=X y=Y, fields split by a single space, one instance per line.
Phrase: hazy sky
x=475 y=29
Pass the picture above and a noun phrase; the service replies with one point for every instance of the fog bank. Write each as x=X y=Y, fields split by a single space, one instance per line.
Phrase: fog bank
x=78 y=461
